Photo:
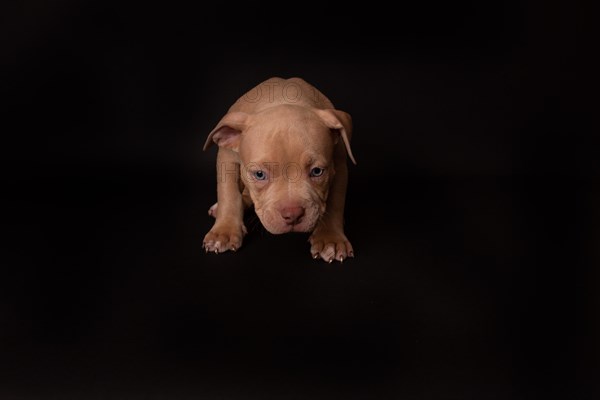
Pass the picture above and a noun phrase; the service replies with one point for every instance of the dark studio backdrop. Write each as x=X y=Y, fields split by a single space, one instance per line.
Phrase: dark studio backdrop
x=473 y=209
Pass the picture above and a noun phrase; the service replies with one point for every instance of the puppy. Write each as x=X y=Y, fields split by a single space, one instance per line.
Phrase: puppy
x=283 y=148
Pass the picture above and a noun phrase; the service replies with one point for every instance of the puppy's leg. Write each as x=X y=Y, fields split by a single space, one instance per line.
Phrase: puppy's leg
x=328 y=240
x=246 y=200
x=228 y=231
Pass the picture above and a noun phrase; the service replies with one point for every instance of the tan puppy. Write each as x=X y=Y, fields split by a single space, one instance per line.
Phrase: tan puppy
x=282 y=148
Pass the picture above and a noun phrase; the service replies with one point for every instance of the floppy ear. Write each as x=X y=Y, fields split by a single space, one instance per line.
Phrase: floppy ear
x=340 y=122
x=228 y=130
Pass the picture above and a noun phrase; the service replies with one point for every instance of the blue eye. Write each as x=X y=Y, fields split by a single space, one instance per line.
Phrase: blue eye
x=317 y=171
x=259 y=175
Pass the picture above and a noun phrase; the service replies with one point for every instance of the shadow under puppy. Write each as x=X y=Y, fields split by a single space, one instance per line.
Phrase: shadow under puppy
x=283 y=148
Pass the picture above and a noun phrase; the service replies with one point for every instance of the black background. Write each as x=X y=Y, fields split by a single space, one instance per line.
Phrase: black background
x=473 y=209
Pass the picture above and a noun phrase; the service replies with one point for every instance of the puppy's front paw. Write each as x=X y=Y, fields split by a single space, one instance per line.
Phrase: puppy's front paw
x=330 y=245
x=223 y=237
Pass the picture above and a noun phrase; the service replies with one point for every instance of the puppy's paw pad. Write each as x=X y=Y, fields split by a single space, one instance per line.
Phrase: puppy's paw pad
x=212 y=211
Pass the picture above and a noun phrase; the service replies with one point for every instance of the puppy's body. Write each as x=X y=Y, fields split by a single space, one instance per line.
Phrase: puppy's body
x=282 y=148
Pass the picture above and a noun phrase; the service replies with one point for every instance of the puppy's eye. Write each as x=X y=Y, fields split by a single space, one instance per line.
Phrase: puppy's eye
x=317 y=171
x=259 y=175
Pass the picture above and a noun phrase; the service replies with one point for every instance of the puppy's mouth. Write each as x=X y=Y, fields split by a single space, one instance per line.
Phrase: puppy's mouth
x=279 y=228
x=276 y=223
x=301 y=227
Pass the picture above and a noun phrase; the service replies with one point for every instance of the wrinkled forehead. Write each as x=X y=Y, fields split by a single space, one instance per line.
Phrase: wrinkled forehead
x=298 y=140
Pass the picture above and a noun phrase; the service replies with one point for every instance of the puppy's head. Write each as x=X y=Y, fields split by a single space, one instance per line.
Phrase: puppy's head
x=286 y=160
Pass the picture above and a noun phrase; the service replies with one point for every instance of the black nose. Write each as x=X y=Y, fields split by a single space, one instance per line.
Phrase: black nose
x=292 y=215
